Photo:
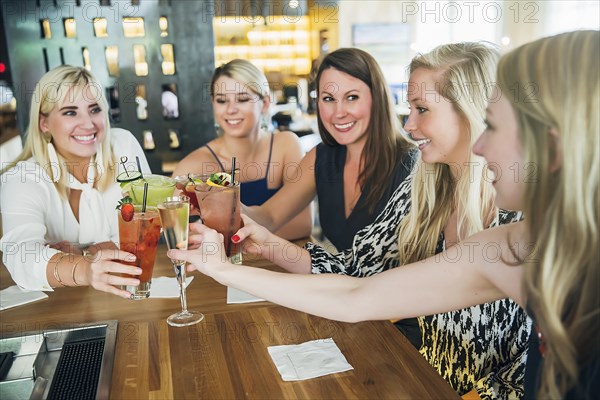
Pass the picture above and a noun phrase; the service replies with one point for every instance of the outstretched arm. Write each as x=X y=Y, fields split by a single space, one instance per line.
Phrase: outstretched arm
x=462 y=276
x=257 y=240
x=290 y=200
x=300 y=224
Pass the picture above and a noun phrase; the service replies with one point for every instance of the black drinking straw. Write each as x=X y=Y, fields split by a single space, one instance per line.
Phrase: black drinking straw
x=232 y=220
x=137 y=159
x=145 y=198
x=232 y=170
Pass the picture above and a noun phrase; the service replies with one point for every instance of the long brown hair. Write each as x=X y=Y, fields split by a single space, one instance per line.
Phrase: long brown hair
x=384 y=144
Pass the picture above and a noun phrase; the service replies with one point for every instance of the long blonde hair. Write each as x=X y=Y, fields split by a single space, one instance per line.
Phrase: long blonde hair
x=50 y=92
x=466 y=73
x=553 y=83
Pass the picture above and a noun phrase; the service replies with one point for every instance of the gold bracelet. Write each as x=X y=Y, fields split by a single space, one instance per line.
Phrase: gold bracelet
x=73 y=271
x=55 y=271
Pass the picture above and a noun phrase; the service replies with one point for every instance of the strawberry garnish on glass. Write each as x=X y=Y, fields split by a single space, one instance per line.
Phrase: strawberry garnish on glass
x=127 y=208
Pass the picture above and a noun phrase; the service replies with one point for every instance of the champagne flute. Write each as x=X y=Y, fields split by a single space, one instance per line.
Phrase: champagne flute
x=174 y=215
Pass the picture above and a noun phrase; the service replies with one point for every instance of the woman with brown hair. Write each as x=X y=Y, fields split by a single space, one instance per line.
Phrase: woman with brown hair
x=362 y=159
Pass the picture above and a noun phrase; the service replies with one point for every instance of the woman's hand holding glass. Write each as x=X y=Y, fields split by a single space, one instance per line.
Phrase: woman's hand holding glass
x=206 y=250
x=257 y=239
x=206 y=245
x=105 y=271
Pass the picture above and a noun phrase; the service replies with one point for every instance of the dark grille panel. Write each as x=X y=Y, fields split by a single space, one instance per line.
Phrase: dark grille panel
x=77 y=372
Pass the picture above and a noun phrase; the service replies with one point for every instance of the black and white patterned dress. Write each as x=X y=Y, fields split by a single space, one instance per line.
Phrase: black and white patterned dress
x=482 y=347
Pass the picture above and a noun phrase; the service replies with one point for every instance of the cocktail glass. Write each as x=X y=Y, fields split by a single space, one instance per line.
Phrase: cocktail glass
x=174 y=214
x=140 y=238
x=186 y=183
x=220 y=210
x=159 y=187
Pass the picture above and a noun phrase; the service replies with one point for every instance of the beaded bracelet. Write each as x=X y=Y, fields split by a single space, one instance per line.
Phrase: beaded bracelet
x=73 y=271
x=55 y=271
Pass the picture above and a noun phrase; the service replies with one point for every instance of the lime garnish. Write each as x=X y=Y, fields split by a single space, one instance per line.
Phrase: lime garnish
x=125 y=186
x=129 y=176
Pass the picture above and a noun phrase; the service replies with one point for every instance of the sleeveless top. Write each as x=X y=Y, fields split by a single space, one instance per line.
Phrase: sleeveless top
x=253 y=193
x=329 y=178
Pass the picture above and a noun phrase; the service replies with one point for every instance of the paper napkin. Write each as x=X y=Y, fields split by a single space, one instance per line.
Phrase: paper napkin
x=164 y=287
x=15 y=296
x=308 y=360
x=237 y=296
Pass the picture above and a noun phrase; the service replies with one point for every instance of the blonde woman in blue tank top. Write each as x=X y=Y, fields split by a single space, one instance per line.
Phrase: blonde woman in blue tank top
x=266 y=161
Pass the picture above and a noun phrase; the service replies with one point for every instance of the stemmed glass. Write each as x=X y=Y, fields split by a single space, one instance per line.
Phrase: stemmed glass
x=174 y=215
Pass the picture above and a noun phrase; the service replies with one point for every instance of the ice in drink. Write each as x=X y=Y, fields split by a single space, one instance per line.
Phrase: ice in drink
x=140 y=238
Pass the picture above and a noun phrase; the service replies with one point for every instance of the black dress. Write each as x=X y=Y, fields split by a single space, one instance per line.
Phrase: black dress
x=329 y=178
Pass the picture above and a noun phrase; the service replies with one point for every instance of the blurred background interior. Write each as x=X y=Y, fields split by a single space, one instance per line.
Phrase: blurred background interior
x=156 y=57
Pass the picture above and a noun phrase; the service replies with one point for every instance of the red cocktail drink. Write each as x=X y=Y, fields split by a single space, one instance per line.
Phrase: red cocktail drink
x=220 y=210
x=140 y=237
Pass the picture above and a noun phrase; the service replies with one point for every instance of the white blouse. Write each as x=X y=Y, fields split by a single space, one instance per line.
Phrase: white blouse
x=35 y=216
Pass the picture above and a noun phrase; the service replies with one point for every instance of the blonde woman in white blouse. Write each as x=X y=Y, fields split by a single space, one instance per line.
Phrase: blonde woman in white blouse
x=59 y=196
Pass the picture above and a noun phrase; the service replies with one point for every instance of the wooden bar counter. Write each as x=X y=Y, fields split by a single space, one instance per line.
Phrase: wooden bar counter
x=225 y=356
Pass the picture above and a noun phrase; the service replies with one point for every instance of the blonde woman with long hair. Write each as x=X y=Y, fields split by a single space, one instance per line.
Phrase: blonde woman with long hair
x=59 y=195
x=446 y=199
x=542 y=148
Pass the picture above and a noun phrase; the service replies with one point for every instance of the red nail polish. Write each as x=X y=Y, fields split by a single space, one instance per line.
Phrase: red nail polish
x=235 y=238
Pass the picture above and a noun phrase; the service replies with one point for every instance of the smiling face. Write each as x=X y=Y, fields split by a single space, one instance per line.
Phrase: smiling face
x=344 y=106
x=237 y=109
x=433 y=123
x=77 y=125
x=501 y=146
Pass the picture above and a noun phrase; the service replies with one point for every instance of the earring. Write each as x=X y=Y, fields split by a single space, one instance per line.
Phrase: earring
x=53 y=157
x=264 y=124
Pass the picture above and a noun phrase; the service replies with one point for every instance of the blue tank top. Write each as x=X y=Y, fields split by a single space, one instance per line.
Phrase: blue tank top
x=253 y=193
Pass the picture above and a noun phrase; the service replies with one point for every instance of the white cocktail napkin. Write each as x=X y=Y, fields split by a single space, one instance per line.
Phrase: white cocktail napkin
x=15 y=296
x=164 y=287
x=308 y=360
x=237 y=296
